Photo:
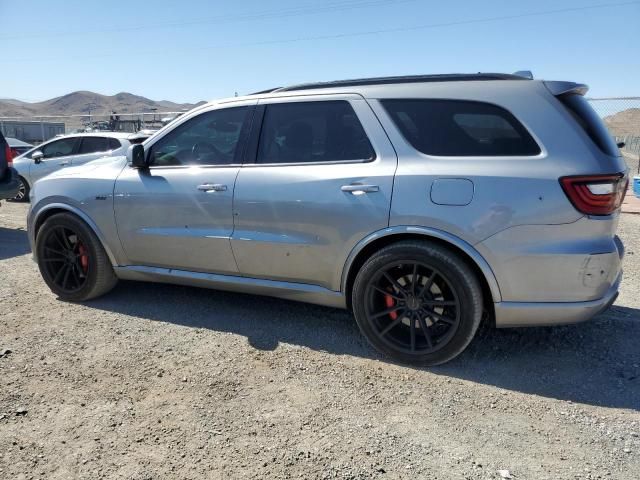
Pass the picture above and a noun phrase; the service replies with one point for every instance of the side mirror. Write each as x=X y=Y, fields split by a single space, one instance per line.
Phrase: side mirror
x=135 y=155
x=37 y=156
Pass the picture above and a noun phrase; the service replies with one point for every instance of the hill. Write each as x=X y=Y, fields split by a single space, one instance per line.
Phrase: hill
x=80 y=102
x=626 y=122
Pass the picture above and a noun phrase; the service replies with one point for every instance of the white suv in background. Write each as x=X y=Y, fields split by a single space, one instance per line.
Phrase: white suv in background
x=63 y=152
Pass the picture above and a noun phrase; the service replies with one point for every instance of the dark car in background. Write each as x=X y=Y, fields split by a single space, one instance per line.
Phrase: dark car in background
x=8 y=176
x=18 y=147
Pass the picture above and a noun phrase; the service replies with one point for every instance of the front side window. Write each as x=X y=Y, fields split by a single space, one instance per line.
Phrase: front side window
x=94 y=145
x=460 y=128
x=59 y=148
x=211 y=138
x=309 y=132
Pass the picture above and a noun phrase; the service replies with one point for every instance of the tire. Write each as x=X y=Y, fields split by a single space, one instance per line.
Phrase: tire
x=417 y=303
x=87 y=270
x=23 y=193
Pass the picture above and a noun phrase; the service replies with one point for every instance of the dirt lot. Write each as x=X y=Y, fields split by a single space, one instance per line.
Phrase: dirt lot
x=157 y=381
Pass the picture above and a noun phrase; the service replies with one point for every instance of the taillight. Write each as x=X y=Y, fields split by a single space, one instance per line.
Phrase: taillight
x=596 y=194
x=8 y=154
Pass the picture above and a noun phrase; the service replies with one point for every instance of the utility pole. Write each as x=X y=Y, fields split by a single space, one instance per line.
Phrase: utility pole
x=90 y=106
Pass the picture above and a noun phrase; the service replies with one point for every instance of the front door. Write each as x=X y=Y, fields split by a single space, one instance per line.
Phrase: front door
x=321 y=181
x=57 y=154
x=178 y=213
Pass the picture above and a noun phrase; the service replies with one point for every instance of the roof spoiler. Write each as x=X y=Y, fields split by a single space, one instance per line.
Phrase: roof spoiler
x=528 y=74
x=563 y=88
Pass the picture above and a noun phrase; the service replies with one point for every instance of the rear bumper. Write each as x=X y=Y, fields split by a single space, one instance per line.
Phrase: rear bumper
x=9 y=185
x=521 y=314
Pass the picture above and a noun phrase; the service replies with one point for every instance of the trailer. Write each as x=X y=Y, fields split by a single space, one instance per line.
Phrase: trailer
x=31 y=131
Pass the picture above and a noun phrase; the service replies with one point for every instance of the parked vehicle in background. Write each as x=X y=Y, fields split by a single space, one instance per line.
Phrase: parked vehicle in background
x=420 y=203
x=64 y=152
x=141 y=135
x=18 y=147
x=8 y=176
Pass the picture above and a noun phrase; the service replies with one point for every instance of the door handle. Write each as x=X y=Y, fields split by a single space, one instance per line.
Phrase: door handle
x=357 y=189
x=64 y=162
x=209 y=187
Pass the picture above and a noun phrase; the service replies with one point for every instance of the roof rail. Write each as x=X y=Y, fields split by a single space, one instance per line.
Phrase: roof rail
x=447 y=77
x=268 y=90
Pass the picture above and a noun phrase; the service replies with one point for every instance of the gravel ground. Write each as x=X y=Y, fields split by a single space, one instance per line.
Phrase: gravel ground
x=158 y=381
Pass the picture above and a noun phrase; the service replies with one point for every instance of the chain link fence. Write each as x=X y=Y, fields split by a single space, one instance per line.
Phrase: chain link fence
x=621 y=115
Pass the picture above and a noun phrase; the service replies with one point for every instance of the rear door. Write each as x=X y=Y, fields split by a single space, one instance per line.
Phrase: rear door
x=319 y=180
x=57 y=154
x=92 y=148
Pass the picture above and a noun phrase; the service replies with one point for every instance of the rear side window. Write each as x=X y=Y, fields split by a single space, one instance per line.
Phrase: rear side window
x=312 y=132
x=114 y=144
x=460 y=128
x=588 y=119
x=94 y=144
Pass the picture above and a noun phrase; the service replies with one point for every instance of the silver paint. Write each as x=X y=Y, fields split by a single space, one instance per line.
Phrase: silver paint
x=294 y=231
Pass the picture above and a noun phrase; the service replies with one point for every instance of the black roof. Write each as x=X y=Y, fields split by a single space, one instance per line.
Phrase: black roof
x=446 y=77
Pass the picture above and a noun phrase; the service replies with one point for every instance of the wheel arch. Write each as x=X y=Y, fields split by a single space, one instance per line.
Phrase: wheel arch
x=378 y=240
x=54 y=208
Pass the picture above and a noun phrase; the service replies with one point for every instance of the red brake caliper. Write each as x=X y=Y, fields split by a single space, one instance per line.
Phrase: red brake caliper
x=388 y=300
x=84 y=257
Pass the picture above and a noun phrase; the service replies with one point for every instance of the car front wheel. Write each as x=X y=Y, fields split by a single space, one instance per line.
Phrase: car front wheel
x=72 y=260
x=417 y=302
x=23 y=191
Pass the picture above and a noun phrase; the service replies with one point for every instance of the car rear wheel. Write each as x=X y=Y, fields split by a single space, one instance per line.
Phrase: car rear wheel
x=72 y=260
x=417 y=302
x=23 y=191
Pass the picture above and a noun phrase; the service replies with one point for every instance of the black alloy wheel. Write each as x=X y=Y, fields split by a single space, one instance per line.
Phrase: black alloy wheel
x=65 y=260
x=417 y=302
x=72 y=261
x=412 y=307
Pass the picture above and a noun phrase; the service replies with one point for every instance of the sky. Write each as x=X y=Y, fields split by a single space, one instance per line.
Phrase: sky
x=192 y=50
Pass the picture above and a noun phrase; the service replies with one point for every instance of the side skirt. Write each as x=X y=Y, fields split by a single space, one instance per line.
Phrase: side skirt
x=300 y=292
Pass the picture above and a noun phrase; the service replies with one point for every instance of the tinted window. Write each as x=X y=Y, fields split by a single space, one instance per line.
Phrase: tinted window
x=94 y=144
x=460 y=128
x=312 y=132
x=211 y=138
x=114 y=143
x=588 y=119
x=59 y=148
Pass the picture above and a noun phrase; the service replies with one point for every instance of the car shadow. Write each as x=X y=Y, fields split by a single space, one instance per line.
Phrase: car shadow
x=13 y=243
x=595 y=363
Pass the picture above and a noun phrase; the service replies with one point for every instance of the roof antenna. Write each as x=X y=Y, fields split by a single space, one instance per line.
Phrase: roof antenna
x=528 y=74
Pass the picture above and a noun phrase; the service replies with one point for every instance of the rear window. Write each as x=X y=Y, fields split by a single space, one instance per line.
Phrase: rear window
x=94 y=145
x=590 y=122
x=114 y=144
x=460 y=128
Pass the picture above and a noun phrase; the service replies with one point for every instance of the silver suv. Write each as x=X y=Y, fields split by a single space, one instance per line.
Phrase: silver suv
x=422 y=204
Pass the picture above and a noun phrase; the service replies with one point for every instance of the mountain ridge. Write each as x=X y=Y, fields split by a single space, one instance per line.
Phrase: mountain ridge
x=79 y=102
